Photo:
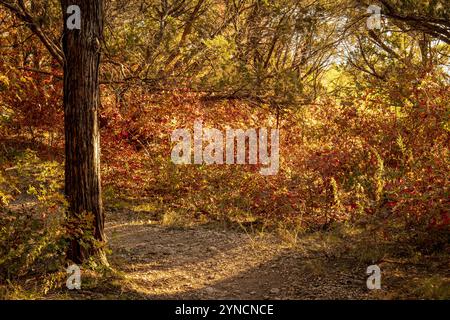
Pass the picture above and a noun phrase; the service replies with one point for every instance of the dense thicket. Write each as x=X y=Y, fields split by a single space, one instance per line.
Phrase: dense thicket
x=363 y=112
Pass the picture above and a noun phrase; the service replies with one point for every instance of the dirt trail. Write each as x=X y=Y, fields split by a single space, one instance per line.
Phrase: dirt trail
x=209 y=263
x=215 y=261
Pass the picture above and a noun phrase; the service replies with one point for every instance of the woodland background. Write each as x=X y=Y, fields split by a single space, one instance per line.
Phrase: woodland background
x=363 y=114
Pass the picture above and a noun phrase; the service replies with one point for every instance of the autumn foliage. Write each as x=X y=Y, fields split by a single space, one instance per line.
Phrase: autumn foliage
x=372 y=154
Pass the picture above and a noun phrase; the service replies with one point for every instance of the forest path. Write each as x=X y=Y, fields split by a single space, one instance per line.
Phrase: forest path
x=151 y=260
x=205 y=262
x=214 y=261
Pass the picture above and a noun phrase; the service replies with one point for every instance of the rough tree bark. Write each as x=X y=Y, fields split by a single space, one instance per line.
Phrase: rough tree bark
x=82 y=141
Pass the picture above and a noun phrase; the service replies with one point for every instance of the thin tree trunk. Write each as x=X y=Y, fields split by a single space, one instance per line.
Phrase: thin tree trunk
x=81 y=103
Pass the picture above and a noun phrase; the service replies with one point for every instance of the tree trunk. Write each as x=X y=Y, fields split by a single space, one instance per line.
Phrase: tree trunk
x=82 y=141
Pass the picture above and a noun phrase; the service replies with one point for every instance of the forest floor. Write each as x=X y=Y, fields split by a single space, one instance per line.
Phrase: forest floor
x=154 y=257
x=153 y=260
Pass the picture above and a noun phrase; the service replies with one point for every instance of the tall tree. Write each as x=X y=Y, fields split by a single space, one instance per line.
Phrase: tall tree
x=81 y=49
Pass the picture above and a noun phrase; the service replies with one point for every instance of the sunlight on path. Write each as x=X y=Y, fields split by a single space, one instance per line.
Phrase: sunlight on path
x=168 y=262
